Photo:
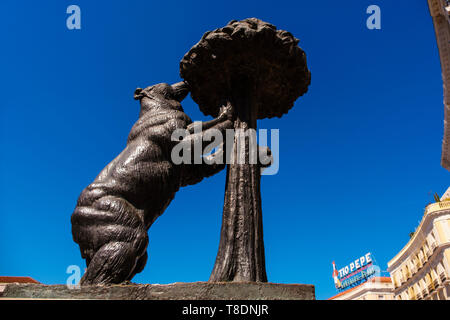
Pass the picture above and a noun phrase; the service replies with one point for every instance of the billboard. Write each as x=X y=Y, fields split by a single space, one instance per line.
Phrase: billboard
x=355 y=273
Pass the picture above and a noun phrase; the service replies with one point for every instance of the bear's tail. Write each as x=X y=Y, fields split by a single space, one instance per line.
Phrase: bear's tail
x=112 y=237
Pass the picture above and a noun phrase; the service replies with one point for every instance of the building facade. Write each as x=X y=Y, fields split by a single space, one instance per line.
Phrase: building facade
x=420 y=271
x=440 y=12
x=376 y=288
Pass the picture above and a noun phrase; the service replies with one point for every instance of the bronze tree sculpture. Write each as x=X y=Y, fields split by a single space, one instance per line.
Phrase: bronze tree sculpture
x=113 y=214
x=260 y=71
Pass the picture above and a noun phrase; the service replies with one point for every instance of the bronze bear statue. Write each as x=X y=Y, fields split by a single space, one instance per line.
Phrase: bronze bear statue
x=113 y=214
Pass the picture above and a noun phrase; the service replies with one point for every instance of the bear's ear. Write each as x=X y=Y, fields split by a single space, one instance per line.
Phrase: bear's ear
x=138 y=94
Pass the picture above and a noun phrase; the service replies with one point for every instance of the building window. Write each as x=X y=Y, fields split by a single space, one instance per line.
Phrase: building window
x=423 y=287
x=441 y=272
x=429 y=282
x=434 y=278
x=418 y=262
x=412 y=294
x=421 y=257
x=426 y=251
x=408 y=273
x=395 y=281
x=432 y=241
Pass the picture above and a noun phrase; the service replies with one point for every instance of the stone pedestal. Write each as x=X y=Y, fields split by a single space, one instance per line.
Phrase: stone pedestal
x=174 y=291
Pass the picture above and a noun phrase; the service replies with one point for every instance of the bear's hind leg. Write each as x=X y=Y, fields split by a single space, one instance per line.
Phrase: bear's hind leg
x=140 y=264
x=113 y=263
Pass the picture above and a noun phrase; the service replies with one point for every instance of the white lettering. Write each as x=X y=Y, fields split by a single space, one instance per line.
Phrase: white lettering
x=74 y=20
x=374 y=20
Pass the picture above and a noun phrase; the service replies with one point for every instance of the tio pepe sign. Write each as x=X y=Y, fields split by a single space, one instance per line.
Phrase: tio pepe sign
x=355 y=272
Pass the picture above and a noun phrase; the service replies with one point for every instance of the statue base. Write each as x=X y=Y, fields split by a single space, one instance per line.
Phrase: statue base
x=174 y=291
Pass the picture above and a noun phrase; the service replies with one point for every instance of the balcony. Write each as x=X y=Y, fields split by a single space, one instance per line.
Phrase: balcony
x=444 y=204
x=443 y=277
x=437 y=206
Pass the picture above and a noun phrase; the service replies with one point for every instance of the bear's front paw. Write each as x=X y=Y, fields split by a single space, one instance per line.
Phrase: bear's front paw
x=226 y=112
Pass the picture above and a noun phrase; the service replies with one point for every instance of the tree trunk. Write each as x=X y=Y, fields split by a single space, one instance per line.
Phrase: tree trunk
x=241 y=250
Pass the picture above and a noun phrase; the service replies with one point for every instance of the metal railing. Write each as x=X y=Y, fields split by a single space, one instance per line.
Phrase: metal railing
x=424 y=293
x=435 y=283
x=433 y=245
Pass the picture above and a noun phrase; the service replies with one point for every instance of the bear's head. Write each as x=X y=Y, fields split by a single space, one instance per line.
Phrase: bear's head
x=163 y=91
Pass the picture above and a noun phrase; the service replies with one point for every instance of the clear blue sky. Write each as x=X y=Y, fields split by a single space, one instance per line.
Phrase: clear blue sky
x=360 y=152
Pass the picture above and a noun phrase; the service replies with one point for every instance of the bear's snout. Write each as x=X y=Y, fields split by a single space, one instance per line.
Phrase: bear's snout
x=180 y=90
